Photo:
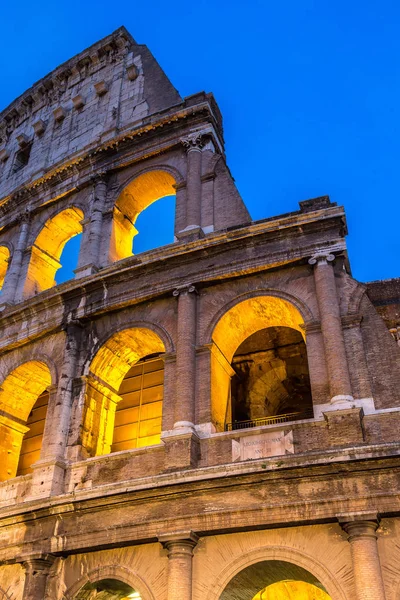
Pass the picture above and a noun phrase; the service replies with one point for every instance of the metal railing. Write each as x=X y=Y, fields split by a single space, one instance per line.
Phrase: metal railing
x=296 y=416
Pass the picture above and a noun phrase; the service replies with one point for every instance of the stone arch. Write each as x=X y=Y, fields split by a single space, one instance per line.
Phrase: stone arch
x=20 y=390
x=47 y=248
x=141 y=170
x=108 y=368
x=357 y=297
x=142 y=190
x=303 y=561
x=302 y=308
x=117 y=572
x=238 y=321
x=158 y=329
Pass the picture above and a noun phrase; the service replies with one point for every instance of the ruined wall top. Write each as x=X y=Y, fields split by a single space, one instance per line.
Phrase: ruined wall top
x=108 y=88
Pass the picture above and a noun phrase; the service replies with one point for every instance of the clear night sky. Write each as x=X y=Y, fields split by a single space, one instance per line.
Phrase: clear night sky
x=309 y=91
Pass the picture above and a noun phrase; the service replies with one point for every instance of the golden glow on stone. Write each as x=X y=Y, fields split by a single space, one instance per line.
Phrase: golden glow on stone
x=19 y=392
x=107 y=370
x=4 y=258
x=136 y=197
x=292 y=590
x=48 y=247
x=237 y=324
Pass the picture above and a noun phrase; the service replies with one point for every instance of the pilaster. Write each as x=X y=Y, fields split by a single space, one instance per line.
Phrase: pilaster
x=331 y=326
x=180 y=548
x=367 y=571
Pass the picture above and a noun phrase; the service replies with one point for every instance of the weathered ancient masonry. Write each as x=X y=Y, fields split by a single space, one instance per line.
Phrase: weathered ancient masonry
x=213 y=419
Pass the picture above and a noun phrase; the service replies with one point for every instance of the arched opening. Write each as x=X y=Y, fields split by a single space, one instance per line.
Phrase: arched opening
x=274 y=580
x=125 y=393
x=135 y=198
x=259 y=366
x=291 y=590
x=48 y=247
x=4 y=260
x=69 y=259
x=108 y=589
x=271 y=378
x=23 y=407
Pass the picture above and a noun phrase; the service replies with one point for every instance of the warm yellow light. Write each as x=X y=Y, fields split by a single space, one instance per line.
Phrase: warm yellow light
x=48 y=247
x=107 y=371
x=292 y=590
x=19 y=392
x=4 y=259
x=136 y=197
x=237 y=324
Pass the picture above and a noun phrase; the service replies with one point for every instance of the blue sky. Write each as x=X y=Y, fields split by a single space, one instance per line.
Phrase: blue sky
x=309 y=91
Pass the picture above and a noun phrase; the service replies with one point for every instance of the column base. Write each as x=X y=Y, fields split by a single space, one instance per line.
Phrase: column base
x=190 y=233
x=47 y=479
x=85 y=271
x=182 y=447
x=342 y=401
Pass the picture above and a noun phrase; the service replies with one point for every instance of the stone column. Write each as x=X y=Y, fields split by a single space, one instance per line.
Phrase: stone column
x=365 y=558
x=331 y=326
x=89 y=257
x=180 y=556
x=57 y=434
x=48 y=472
x=182 y=444
x=14 y=271
x=193 y=144
x=185 y=357
x=36 y=573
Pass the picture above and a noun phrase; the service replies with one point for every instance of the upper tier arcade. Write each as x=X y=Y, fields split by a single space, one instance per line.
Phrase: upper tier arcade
x=90 y=147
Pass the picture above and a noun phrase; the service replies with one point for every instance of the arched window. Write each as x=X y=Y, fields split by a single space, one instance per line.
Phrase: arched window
x=124 y=393
x=259 y=366
x=4 y=260
x=23 y=406
x=48 y=247
x=136 y=197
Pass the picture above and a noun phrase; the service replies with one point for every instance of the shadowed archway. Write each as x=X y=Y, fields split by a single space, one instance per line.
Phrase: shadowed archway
x=256 y=578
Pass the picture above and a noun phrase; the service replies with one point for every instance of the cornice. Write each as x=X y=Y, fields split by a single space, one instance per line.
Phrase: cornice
x=76 y=164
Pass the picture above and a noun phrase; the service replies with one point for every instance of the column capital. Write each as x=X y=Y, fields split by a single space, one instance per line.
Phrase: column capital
x=188 y=288
x=99 y=177
x=182 y=542
x=321 y=258
x=39 y=563
x=360 y=526
x=193 y=141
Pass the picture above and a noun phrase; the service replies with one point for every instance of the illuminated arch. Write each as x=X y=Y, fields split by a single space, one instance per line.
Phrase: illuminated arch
x=20 y=391
x=140 y=193
x=292 y=590
x=48 y=247
x=4 y=261
x=110 y=365
x=241 y=320
x=298 y=565
x=111 y=572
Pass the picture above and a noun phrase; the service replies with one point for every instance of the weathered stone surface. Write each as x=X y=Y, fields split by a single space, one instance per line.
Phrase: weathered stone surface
x=200 y=503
